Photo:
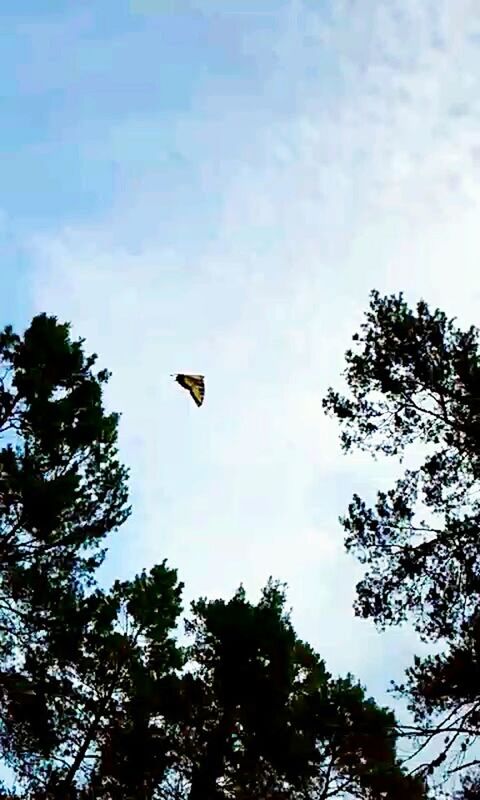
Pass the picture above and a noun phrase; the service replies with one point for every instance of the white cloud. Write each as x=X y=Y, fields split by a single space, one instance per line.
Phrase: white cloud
x=369 y=180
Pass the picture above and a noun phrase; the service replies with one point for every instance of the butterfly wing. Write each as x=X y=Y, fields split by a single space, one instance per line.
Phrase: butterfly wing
x=194 y=384
x=196 y=387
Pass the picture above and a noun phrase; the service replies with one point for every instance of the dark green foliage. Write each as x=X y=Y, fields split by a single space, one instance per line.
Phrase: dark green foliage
x=116 y=683
x=62 y=490
x=414 y=378
x=252 y=714
x=263 y=718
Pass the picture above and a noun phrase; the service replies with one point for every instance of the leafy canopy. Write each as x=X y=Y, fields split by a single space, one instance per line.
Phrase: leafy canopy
x=413 y=377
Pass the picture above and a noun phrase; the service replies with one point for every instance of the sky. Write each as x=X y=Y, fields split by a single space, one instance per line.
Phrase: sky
x=215 y=186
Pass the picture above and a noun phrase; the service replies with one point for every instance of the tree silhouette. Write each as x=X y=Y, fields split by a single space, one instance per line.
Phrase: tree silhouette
x=255 y=714
x=62 y=489
x=414 y=377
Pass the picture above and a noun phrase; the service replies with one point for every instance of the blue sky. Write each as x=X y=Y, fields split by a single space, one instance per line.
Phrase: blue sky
x=215 y=187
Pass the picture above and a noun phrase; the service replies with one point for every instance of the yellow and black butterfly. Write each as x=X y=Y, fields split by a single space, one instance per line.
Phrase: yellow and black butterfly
x=194 y=384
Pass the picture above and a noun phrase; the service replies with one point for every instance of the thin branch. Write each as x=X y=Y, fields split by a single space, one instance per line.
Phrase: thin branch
x=464 y=766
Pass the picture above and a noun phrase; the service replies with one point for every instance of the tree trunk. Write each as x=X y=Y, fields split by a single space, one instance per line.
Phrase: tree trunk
x=211 y=766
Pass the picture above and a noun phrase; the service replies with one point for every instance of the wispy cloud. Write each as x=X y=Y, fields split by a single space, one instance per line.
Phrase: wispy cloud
x=355 y=165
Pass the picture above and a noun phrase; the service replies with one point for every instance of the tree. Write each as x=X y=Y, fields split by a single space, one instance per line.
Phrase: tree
x=253 y=713
x=259 y=715
x=414 y=377
x=111 y=737
x=62 y=490
x=103 y=703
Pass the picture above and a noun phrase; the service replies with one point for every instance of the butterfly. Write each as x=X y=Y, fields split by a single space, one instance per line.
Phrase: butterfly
x=194 y=384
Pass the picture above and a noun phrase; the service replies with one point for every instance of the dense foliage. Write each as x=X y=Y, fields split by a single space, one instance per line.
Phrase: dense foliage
x=62 y=490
